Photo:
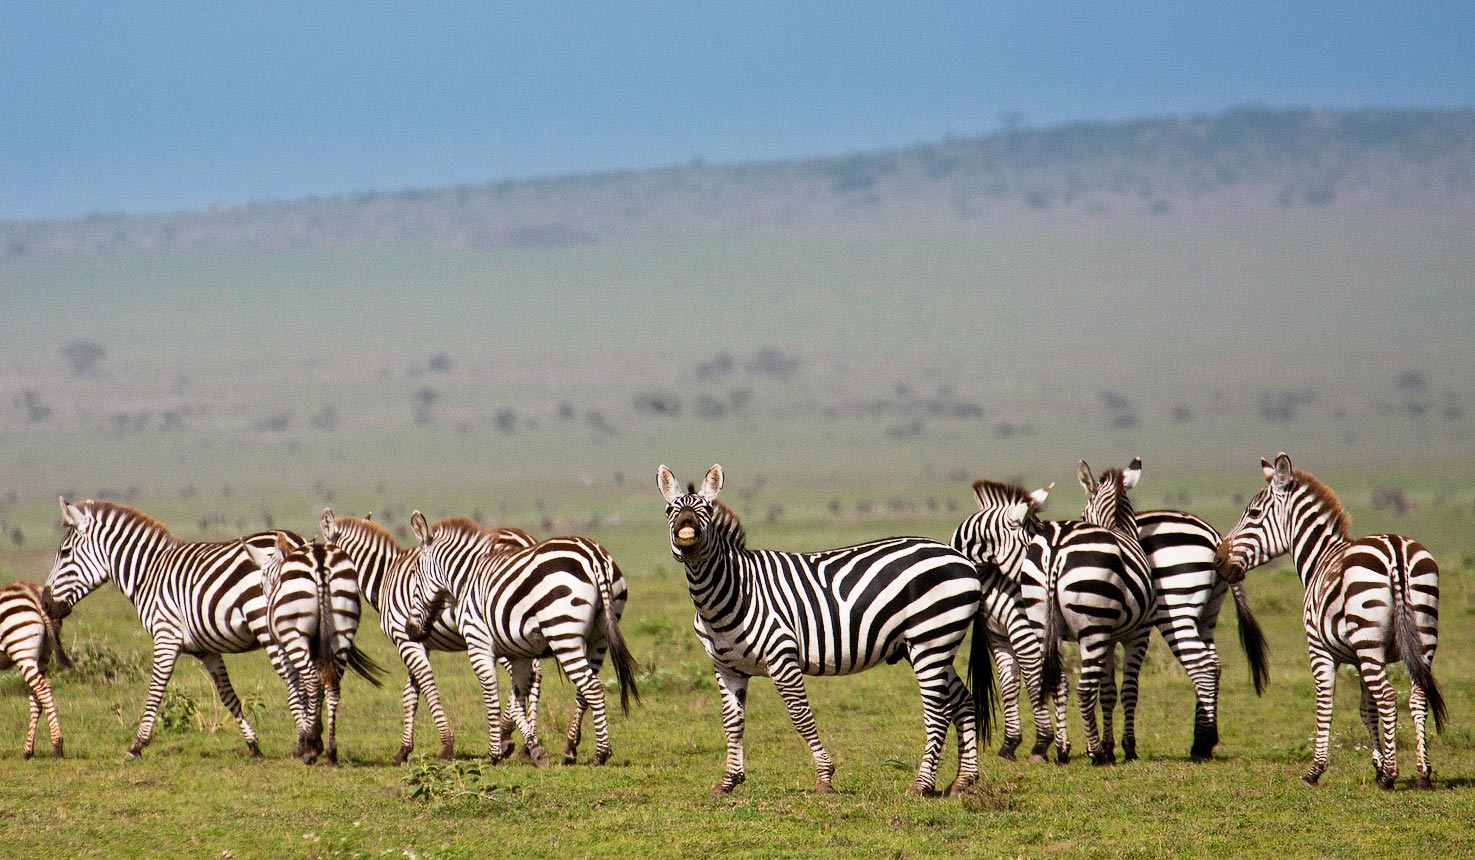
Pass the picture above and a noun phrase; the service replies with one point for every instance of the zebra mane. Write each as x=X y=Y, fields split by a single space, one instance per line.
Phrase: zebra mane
x=1328 y=501
x=996 y=493
x=726 y=519
x=460 y=527
x=1122 y=514
x=367 y=527
x=102 y=509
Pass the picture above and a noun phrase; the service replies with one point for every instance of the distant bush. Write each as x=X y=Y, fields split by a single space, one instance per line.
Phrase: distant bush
x=83 y=356
x=1280 y=407
x=95 y=662
x=774 y=363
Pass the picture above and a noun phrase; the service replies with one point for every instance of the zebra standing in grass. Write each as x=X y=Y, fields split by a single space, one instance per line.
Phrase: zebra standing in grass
x=835 y=612
x=560 y=598
x=1180 y=549
x=386 y=579
x=28 y=638
x=1369 y=602
x=201 y=599
x=312 y=600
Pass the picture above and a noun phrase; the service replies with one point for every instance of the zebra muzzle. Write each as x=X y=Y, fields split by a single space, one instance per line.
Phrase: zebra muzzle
x=54 y=610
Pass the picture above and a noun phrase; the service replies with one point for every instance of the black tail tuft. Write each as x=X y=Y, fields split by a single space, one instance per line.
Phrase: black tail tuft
x=619 y=653
x=1252 y=638
x=365 y=667
x=1420 y=672
x=1051 y=673
x=981 y=675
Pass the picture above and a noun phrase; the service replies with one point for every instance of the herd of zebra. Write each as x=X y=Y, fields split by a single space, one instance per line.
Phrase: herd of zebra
x=1022 y=583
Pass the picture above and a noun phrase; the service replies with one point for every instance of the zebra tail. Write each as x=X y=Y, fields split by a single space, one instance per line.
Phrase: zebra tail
x=1406 y=637
x=1051 y=672
x=981 y=674
x=1252 y=638
x=365 y=667
x=619 y=653
x=325 y=644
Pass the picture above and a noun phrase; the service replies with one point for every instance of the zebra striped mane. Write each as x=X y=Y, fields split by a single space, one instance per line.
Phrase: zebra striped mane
x=1122 y=514
x=726 y=519
x=101 y=509
x=368 y=528
x=460 y=527
x=1326 y=500
x=999 y=494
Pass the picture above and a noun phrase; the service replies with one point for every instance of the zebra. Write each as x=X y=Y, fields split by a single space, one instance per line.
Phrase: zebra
x=1090 y=580
x=1180 y=549
x=1369 y=602
x=996 y=538
x=562 y=597
x=386 y=580
x=201 y=599
x=835 y=612
x=312 y=599
x=28 y=639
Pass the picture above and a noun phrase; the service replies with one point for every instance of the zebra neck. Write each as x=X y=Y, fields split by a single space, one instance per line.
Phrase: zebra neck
x=1316 y=542
x=372 y=563
x=129 y=562
x=720 y=583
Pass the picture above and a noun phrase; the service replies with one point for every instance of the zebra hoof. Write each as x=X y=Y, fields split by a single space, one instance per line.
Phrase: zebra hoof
x=920 y=791
x=823 y=786
x=1129 y=755
x=1103 y=759
x=27 y=754
x=1310 y=780
x=600 y=757
x=1385 y=782
x=133 y=754
x=1007 y=755
x=1037 y=758
x=403 y=755
x=721 y=789
x=448 y=750
x=1062 y=758
x=56 y=751
x=539 y=757
x=960 y=785
x=331 y=758
x=1424 y=783
x=570 y=753
x=253 y=750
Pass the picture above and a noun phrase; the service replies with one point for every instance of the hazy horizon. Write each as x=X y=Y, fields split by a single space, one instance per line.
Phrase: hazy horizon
x=160 y=107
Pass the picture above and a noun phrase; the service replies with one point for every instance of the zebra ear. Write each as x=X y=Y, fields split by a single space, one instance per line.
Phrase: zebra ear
x=978 y=494
x=1132 y=474
x=1088 y=480
x=1283 y=472
x=73 y=516
x=668 y=485
x=283 y=545
x=1017 y=512
x=328 y=525
x=1038 y=497
x=261 y=556
x=1266 y=469
x=712 y=484
x=420 y=527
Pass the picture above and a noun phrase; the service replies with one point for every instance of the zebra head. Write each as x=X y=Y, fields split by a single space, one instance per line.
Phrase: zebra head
x=690 y=514
x=1263 y=531
x=432 y=586
x=1107 y=504
x=270 y=558
x=1000 y=532
x=82 y=562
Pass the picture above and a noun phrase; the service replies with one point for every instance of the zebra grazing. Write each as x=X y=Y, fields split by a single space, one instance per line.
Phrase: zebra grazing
x=201 y=599
x=28 y=638
x=1180 y=549
x=386 y=579
x=1098 y=590
x=835 y=612
x=312 y=611
x=1369 y=602
x=562 y=597
x=996 y=538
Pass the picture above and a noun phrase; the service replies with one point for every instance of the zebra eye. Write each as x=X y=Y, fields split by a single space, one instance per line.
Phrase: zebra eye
x=1254 y=512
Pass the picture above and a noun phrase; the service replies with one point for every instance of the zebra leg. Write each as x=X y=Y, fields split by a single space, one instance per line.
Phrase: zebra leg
x=1195 y=652
x=790 y=683
x=1062 y=730
x=417 y=659
x=509 y=723
x=1107 y=697
x=287 y=668
x=1136 y=652
x=331 y=694
x=42 y=703
x=734 y=690
x=1418 y=708
x=408 y=700
x=1375 y=677
x=1368 y=709
x=484 y=663
x=1324 y=676
x=309 y=688
x=1009 y=675
x=571 y=653
x=1029 y=664
x=535 y=691
x=166 y=652
x=215 y=665
x=523 y=671
x=960 y=704
x=1095 y=663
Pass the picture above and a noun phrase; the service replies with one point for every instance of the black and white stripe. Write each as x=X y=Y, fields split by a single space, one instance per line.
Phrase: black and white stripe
x=387 y=580
x=561 y=598
x=835 y=612
x=1369 y=602
x=312 y=611
x=28 y=638
x=201 y=599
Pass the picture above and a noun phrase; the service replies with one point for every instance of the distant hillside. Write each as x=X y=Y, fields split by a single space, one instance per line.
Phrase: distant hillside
x=1242 y=165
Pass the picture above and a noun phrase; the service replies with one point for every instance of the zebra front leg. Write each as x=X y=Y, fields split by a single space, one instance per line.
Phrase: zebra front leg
x=1375 y=677
x=1418 y=708
x=1135 y=654
x=790 y=683
x=409 y=699
x=215 y=665
x=417 y=660
x=42 y=703
x=523 y=671
x=166 y=652
x=1324 y=677
x=1009 y=674
x=733 y=688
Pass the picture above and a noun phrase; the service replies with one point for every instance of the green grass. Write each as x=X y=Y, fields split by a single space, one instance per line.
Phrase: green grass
x=196 y=794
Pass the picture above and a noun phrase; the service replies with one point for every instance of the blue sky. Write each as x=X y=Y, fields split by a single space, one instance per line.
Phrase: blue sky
x=159 y=106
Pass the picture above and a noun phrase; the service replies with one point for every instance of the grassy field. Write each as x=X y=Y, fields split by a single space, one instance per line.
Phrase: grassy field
x=196 y=794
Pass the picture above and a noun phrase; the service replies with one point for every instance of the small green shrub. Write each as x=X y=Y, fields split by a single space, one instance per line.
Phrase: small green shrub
x=456 y=783
x=95 y=662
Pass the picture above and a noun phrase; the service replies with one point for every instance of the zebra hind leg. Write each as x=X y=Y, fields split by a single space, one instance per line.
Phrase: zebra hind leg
x=1009 y=673
x=215 y=665
x=1418 y=707
x=1136 y=653
x=965 y=718
x=1107 y=700
x=1375 y=676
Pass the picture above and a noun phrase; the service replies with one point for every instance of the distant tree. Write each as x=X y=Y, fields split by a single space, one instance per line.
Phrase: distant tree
x=775 y=363
x=506 y=420
x=1182 y=414
x=439 y=363
x=1412 y=382
x=424 y=404
x=35 y=408
x=83 y=356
